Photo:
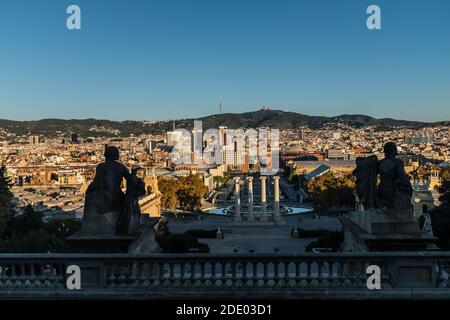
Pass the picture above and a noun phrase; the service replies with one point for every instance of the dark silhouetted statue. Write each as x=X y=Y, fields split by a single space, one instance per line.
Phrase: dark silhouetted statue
x=394 y=190
x=129 y=220
x=105 y=210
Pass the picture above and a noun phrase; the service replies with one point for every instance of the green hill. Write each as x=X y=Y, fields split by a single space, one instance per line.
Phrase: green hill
x=260 y=118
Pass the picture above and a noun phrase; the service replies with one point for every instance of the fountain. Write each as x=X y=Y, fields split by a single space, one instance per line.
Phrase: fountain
x=250 y=211
x=285 y=210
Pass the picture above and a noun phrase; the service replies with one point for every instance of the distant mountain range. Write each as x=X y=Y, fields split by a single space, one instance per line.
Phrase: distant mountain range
x=260 y=118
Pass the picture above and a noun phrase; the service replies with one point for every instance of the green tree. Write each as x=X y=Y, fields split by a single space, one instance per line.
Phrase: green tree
x=168 y=188
x=444 y=188
x=291 y=176
x=35 y=241
x=329 y=191
x=26 y=222
x=6 y=209
x=185 y=193
x=191 y=192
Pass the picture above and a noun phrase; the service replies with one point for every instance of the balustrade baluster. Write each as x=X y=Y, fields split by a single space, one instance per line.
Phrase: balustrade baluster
x=111 y=278
x=133 y=278
x=348 y=271
x=171 y=277
x=59 y=281
x=223 y=266
x=202 y=270
x=8 y=272
x=298 y=266
x=234 y=270
x=213 y=270
x=255 y=270
x=53 y=276
x=13 y=277
x=35 y=276
x=266 y=277
x=286 y=270
x=199 y=273
x=162 y=273
x=325 y=276
x=220 y=277
x=183 y=273
x=276 y=272
x=20 y=282
x=244 y=271
x=122 y=278
x=201 y=276
x=145 y=276
x=309 y=277
x=192 y=265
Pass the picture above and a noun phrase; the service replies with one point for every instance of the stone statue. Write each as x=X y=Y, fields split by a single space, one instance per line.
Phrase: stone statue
x=386 y=220
x=427 y=224
x=366 y=181
x=129 y=220
x=104 y=203
x=394 y=190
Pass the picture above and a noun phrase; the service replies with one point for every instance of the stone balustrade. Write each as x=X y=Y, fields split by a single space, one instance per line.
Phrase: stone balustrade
x=336 y=275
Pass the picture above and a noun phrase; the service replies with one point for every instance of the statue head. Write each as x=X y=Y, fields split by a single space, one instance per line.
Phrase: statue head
x=111 y=153
x=390 y=150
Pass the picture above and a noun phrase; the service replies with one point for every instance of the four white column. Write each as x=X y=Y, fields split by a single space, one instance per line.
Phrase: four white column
x=251 y=216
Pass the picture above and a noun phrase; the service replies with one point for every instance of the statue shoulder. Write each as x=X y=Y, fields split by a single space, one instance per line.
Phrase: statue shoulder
x=122 y=166
x=101 y=167
x=399 y=162
x=366 y=162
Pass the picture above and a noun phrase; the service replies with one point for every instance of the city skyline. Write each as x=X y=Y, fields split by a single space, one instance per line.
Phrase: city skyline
x=169 y=60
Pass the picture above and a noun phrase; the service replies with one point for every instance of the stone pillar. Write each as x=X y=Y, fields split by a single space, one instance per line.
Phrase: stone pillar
x=250 y=217
x=276 y=200
x=237 y=205
x=263 y=198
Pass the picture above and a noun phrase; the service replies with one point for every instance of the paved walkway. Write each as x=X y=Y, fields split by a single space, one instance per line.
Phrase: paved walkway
x=260 y=239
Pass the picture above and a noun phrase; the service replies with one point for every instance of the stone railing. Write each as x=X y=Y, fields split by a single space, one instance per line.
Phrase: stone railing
x=330 y=275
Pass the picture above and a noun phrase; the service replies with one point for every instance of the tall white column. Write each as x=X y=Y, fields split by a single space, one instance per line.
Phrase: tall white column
x=276 y=200
x=237 y=205
x=263 y=198
x=250 y=217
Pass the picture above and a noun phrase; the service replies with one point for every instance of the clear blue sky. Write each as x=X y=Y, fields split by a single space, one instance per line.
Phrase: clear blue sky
x=169 y=59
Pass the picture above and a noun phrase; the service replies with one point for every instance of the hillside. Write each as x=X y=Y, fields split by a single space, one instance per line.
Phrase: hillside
x=260 y=118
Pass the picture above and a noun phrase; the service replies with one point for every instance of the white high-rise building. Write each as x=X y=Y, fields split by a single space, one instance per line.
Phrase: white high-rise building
x=174 y=137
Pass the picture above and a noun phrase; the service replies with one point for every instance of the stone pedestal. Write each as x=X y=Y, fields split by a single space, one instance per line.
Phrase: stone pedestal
x=142 y=241
x=381 y=230
x=381 y=222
